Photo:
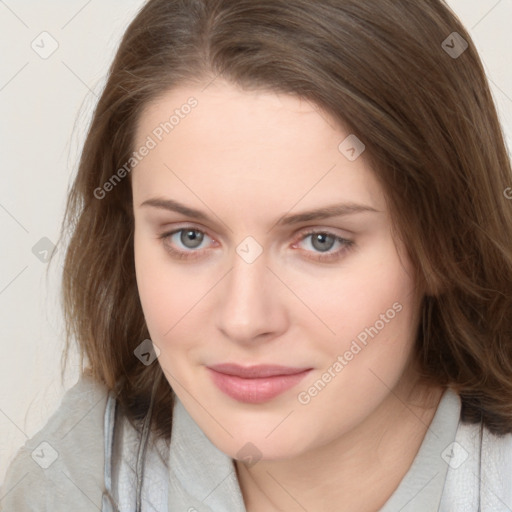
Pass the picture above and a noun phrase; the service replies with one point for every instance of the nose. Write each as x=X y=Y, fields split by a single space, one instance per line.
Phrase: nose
x=250 y=306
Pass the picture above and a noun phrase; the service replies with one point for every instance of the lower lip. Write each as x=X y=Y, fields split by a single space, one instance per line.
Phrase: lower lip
x=255 y=391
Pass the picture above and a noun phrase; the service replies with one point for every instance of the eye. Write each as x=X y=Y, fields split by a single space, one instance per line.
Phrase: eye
x=186 y=242
x=187 y=239
x=322 y=242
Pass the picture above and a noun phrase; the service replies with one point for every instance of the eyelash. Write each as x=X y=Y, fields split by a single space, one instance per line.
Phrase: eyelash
x=322 y=257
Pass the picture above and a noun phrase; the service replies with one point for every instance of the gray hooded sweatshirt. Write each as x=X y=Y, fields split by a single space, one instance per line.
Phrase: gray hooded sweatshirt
x=69 y=464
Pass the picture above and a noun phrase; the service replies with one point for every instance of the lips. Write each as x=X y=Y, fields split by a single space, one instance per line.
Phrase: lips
x=255 y=384
x=256 y=372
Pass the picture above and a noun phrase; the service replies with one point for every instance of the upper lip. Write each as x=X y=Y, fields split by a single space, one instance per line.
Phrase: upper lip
x=257 y=371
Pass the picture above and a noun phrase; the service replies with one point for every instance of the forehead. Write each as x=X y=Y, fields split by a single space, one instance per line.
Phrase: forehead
x=239 y=141
x=222 y=106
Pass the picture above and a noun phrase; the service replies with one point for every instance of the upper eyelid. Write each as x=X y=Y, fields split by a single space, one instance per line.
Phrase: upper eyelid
x=307 y=229
x=298 y=231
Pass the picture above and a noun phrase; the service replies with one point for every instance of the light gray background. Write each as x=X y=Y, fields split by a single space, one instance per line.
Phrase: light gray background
x=45 y=108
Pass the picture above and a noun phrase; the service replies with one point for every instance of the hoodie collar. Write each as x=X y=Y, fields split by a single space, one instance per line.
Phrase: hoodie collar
x=201 y=476
x=204 y=479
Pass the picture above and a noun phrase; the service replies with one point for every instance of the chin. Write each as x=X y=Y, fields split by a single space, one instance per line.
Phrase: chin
x=268 y=438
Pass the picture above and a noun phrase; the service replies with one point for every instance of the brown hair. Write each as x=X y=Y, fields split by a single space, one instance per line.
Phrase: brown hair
x=432 y=135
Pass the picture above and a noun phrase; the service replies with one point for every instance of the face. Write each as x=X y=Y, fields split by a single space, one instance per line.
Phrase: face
x=231 y=270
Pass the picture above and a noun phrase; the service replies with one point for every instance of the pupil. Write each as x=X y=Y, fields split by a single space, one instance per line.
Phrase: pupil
x=192 y=236
x=321 y=239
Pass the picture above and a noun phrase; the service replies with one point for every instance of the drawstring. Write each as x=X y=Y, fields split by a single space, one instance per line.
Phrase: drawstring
x=143 y=445
x=108 y=503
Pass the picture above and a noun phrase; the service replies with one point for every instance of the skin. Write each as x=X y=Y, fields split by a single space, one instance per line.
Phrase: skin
x=247 y=159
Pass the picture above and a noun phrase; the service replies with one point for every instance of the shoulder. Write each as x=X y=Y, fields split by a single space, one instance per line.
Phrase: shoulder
x=62 y=464
x=496 y=469
x=482 y=443
x=482 y=467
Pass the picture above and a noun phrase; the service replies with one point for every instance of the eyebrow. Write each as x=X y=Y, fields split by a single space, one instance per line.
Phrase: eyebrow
x=335 y=210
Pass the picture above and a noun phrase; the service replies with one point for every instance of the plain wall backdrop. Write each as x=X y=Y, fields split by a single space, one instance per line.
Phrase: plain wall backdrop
x=55 y=56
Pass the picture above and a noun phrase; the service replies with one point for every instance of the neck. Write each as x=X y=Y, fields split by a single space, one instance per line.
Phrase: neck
x=360 y=470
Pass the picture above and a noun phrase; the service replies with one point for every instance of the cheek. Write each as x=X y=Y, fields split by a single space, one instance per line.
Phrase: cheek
x=155 y=286
x=171 y=296
x=375 y=326
x=372 y=299
x=384 y=316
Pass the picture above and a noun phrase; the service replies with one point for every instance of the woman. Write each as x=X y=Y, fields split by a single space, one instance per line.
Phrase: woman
x=290 y=271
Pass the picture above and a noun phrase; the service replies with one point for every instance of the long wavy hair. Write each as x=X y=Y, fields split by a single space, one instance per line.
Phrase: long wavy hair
x=397 y=76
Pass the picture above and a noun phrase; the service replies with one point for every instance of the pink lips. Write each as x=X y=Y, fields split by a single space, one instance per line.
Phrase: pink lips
x=255 y=384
